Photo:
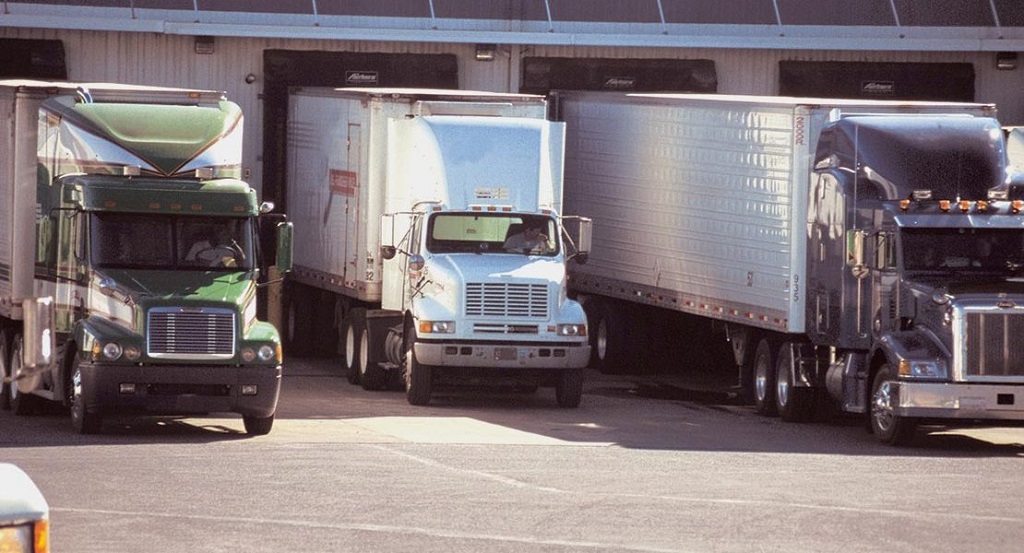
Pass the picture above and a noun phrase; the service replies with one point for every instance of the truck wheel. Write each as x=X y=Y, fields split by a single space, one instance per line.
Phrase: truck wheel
x=21 y=404
x=5 y=372
x=794 y=404
x=610 y=338
x=82 y=420
x=419 y=379
x=258 y=426
x=352 y=335
x=569 y=389
x=764 y=378
x=887 y=426
x=371 y=375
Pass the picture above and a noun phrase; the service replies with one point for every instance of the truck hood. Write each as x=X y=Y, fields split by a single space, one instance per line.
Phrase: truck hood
x=500 y=267
x=205 y=286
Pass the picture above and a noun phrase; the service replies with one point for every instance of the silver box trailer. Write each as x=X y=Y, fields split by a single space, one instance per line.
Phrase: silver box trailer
x=758 y=217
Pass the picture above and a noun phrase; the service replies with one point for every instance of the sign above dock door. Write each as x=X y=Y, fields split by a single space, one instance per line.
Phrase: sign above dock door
x=875 y=80
x=542 y=75
x=287 y=68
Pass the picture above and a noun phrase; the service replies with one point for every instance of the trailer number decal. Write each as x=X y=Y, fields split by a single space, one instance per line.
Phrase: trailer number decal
x=343 y=183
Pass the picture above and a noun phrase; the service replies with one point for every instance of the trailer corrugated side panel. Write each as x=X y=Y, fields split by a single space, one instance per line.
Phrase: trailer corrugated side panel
x=18 y=179
x=697 y=208
x=699 y=202
x=326 y=190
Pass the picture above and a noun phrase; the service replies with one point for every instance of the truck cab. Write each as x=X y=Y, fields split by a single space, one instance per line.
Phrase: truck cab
x=932 y=282
x=148 y=243
x=481 y=282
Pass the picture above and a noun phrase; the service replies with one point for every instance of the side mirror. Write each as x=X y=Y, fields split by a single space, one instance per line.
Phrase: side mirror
x=855 y=253
x=40 y=338
x=388 y=252
x=284 y=247
x=583 y=244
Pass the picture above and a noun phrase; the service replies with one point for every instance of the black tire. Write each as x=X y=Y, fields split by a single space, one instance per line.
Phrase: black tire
x=793 y=404
x=569 y=389
x=886 y=425
x=764 y=378
x=419 y=379
x=22 y=404
x=258 y=426
x=371 y=376
x=610 y=351
x=5 y=371
x=82 y=421
x=351 y=336
x=374 y=376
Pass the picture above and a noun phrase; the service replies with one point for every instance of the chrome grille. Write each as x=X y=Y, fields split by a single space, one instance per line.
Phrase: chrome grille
x=506 y=300
x=490 y=328
x=993 y=344
x=191 y=333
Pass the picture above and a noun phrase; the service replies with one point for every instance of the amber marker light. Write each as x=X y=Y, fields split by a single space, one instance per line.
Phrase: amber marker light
x=965 y=205
x=904 y=204
x=944 y=205
x=42 y=536
x=1016 y=205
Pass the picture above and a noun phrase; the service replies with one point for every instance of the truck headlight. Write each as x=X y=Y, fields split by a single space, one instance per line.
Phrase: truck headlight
x=931 y=368
x=112 y=351
x=132 y=353
x=436 y=327
x=572 y=330
x=266 y=352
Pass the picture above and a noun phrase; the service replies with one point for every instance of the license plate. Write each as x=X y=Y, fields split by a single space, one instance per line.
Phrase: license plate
x=505 y=354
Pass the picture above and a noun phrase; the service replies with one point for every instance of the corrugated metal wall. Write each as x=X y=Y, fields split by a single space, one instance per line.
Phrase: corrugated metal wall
x=171 y=60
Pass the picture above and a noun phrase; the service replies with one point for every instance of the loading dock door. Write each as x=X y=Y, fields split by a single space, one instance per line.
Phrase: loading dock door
x=288 y=68
x=542 y=75
x=883 y=81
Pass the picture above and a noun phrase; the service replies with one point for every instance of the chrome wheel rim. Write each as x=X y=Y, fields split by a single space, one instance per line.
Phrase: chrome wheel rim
x=882 y=406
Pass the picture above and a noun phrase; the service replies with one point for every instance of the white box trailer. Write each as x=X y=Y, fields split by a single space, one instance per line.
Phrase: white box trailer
x=444 y=175
x=785 y=225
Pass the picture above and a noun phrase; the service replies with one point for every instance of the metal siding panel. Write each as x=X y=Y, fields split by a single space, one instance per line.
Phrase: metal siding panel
x=605 y=11
x=835 y=12
x=1011 y=12
x=945 y=13
x=475 y=9
x=735 y=12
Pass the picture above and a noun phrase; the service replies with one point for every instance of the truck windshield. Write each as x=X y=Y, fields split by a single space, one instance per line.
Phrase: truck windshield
x=137 y=241
x=498 y=233
x=963 y=250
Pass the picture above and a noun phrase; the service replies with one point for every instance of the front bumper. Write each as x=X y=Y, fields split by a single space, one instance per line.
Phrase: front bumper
x=960 y=401
x=559 y=355
x=181 y=389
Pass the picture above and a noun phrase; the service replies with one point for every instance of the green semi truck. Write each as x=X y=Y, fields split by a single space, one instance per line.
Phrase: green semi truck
x=130 y=256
